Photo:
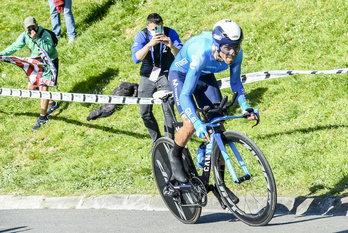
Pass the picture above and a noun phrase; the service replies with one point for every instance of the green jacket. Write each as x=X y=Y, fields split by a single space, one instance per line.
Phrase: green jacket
x=45 y=42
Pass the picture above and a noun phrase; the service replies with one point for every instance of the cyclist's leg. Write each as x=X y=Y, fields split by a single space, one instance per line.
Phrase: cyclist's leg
x=207 y=93
x=176 y=81
x=185 y=132
x=175 y=157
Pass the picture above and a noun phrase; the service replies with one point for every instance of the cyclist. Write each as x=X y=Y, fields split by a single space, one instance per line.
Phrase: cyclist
x=192 y=74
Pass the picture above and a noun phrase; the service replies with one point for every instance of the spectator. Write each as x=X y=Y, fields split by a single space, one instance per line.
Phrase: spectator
x=56 y=7
x=156 y=51
x=35 y=33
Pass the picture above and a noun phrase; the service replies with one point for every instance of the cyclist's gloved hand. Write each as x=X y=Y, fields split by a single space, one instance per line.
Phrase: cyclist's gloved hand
x=200 y=128
x=247 y=112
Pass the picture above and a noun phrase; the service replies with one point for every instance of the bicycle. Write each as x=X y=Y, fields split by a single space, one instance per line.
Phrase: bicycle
x=247 y=187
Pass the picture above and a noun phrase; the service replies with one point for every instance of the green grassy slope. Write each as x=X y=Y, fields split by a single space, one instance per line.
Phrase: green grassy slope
x=303 y=131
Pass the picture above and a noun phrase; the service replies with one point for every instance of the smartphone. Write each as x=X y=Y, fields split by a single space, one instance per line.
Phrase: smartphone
x=158 y=29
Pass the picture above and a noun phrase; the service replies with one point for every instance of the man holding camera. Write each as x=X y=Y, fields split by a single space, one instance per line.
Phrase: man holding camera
x=35 y=34
x=155 y=46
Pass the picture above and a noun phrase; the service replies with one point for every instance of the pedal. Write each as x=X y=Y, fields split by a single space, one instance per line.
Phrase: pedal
x=169 y=192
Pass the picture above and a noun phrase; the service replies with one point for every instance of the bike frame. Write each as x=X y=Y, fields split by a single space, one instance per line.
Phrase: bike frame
x=216 y=136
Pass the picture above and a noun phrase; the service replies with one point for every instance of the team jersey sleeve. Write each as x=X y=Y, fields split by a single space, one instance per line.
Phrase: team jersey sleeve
x=236 y=83
x=197 y=63
x=174 y=37
x=139 y=43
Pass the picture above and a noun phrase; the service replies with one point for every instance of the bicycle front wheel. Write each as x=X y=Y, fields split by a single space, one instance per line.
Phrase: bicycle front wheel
x=256 y=195
x=162 y=172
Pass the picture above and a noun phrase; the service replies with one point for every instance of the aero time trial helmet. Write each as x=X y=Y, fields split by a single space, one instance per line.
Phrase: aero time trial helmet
x=227 y=32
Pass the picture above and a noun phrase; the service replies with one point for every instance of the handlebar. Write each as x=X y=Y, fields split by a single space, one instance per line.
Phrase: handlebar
x=222 y=107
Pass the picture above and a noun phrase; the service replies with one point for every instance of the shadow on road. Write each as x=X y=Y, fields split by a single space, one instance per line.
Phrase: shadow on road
x=15 y=229
x=217 y=217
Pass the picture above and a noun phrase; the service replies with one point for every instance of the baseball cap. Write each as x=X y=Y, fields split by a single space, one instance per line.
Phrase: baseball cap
x=30 y=21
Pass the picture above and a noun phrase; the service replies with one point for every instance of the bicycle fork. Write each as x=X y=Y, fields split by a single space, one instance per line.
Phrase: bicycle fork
x=235 y=178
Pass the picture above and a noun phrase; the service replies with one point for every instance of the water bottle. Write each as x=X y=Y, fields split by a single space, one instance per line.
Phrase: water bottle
x=200 y=155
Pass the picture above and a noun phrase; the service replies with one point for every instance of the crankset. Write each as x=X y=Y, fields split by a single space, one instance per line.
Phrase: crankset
x=199 y=192
x=192 y=194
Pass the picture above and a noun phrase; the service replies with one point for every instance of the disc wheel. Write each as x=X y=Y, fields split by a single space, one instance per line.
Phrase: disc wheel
x=162 y=171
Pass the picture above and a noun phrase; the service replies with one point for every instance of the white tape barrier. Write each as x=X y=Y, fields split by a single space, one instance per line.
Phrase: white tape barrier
x=264 y=75
x=75 y=97
x=110 y=99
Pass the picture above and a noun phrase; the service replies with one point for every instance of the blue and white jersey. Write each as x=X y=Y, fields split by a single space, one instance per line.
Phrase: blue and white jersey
x=196 y=59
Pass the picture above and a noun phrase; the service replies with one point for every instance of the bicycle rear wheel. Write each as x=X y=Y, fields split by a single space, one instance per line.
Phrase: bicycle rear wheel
x=257 y=195
x=162 y=171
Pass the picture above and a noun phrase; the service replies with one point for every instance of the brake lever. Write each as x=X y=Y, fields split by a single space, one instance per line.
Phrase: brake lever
x=248 y=113
x=257 y=120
